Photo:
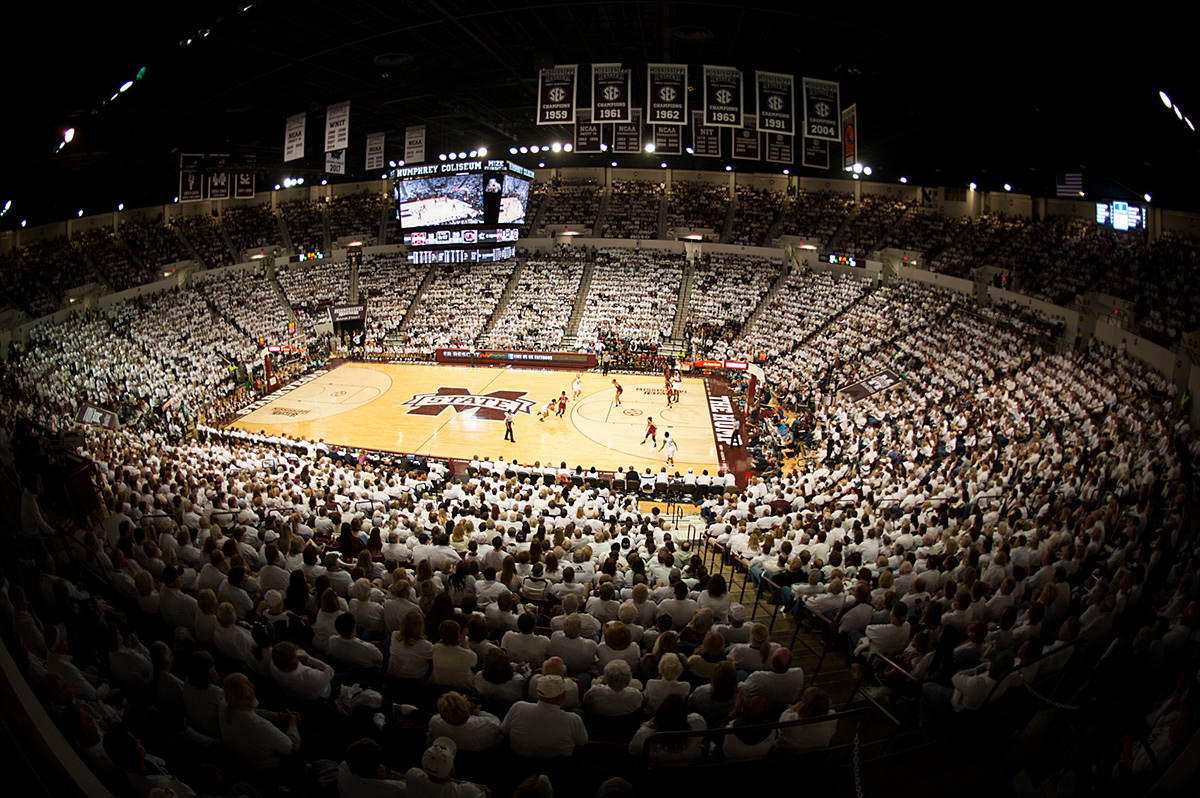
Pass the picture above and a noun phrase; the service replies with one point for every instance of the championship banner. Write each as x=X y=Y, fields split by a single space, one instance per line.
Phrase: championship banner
x=706 y=141
x=339 y=314
x=627 y=138
x=776 y=102
x=90 y=414
x=745 y=141
x=587 y=132
x=612 y=93
x=816 y=153
x=293 y=138
x=668 y=140
x=556 y=95
x=217 y=181
x=191 y=183
x=375 y=159
x=337 y=126
x=780 y=148
x=243 y=184
x=335 y=162
x=414 y=144
x=871 y=385
x=850 y=136
x=666 y=94
x=822 y=109
x=722 y=96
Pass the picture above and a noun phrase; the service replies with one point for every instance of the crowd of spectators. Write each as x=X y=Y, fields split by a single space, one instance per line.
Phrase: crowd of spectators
x=154 y=243
x=357 y=215
x=632 y=210
x=249 y=300
x=925 y=232
x=700 y=206
x=1054 y=259
x=24 y=288
x=570 y=206
x=633 y=297
x=726 y=289
x=977 y=239
x=1159 y=281
x=312 y=287
x=456 y=305
x=59 y=264
x=111 y=259
x=305 y=220
x=874 y=217
x=252 y=227
x=387 y=284
x=753 y=214
x=203 y=232
x=537 y=313
x=537 y=195
x=815 y=216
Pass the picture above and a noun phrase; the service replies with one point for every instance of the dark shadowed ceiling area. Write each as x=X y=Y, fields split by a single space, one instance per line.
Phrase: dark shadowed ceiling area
x=987 y=95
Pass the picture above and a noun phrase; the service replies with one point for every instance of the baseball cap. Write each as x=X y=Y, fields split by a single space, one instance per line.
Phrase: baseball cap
x=274 y=598
x=551 y=687
x=438 y=760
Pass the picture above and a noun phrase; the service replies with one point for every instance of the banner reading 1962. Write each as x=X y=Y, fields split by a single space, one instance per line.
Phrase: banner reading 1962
x=722 y=97
x=666 y=94
x=611 y=93
x=556 y=95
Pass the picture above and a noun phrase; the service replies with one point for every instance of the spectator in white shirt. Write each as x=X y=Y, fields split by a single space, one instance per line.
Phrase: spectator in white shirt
x=252 y=734
x=471 y=729
x=345 y=648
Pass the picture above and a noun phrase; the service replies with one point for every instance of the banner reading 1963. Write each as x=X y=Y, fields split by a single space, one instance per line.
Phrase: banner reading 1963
x=611 y=93
x=822 y=110
x=776 y=102
x=587 y=132
x=722 y=96
x=666 y=94
x=556 y=95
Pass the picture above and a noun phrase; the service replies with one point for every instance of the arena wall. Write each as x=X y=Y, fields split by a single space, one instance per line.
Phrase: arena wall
x=933 y=278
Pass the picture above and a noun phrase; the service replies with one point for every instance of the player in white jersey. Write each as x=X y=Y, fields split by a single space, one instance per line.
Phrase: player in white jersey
x=669 y=444
x=577 y=387
x=676 y=385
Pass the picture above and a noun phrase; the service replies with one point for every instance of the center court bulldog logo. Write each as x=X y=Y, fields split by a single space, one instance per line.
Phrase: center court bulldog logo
x=490 y=406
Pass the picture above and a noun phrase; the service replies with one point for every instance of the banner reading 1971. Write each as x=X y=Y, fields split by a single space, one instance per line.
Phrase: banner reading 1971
x=776 y=102
x=611 y=93
x=722 y=97
x=666 y=94
x=822 y=110
x=556 y=95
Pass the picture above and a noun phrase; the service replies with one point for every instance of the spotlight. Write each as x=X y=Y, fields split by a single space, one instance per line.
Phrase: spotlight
x=867 y=171
x=462 y=155
x=858 y=168
x=69 y=135
x=568 y=147
x=287 y=182
x=1146 y=197
x=663 y=164
x=972 y=186
x=603 y=147
x=524 y=150
x=728 y=168
x=787 y=171
x=126 y=86
x=1178 y=113
x=556 y=147
x=80 y=214
x=855 y=175
x=1008 y=187
x=383 y=176
x=1162 y=95
x=512 y=150
x=614 y=163
x=441 y=156
x=1188 y=122
x=482 y=152
x=1082 y=194
x=650 y=147
x=542 y=165
x=453 y=156
x=299 y=181
x=534 y=149
x=689 y=150
x=276 y=188
x=177 y=198
x=903 y=179
x=120 y=206
x=474 y=153
x=392 y=164
x=324 y=182
x=22 y=222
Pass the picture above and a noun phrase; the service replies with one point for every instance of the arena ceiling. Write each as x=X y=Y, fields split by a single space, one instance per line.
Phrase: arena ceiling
x=987 y=94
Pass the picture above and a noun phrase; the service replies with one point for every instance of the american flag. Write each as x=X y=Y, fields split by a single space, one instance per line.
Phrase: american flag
x=1068 y=185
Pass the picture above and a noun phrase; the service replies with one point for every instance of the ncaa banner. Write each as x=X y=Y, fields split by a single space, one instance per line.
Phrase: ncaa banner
x=414 y=144
x=850 y=136
x=611 y=93
x=745 y=140
x=191 y=182
x=293 y=138
x=668 y=140
x=666 y=94
x=587 y=132
x=816 y=153
x=337 y=127
x=776 y=102
x=722 y=97
x=706 y=141
x=335 y=162
x=556 y=95
x=822 y=109
x=375 y=151
x=780 y=148
x=243 y=185
x=628 y=138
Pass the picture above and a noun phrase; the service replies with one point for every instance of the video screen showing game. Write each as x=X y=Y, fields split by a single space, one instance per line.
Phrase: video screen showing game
x=514 y=201
x=440 y=200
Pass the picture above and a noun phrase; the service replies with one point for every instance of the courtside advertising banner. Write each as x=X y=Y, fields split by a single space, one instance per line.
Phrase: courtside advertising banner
x=414 y=144
x=375 y=159
x=780 y=148
x=587 y=132
x=611 y=93
x=776 y=102
x=666 y=94
x=191 y=182
x=816 y=153
x=337 y=126
x=335 y=162
x=627 y=138
x=668 y=140
x=822 y=109
x=722 y=96
x=706 y=141
x=556 y=95
x=293 y=138
x=745 y=141
x=850 y=136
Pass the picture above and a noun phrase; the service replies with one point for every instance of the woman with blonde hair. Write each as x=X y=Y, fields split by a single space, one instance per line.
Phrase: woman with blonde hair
x=670 y=667
x=471 y=729
x=710 y=654
x=251 y=734
x=368 y=614
x=755 y=655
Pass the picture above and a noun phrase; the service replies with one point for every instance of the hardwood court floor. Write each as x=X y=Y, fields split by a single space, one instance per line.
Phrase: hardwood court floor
x=457 y=411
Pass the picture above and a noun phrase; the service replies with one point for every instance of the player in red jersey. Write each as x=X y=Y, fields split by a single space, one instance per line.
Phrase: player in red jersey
x=617 y=385
x=562 y=404
x=651 y=432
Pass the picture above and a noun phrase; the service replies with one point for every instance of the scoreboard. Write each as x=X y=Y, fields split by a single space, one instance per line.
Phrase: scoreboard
x=467 y=194
x=460 y=236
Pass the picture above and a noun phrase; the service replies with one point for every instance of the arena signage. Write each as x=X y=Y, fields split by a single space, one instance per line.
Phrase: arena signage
x=816 y=153
x=337 y=126
x=344 y=313
x=780 y=148
x=745 y=141
x=611 y=93
x=90 y=414
x=667 y=140
x=556 y=95
x=293 y=138
x=587 y=132
x=706 y=141
x=776 y=102
x=438 y=169
x=511 y=357
x=871 y=385
x=666 y=93
x=822 y=110
x=722 y=97
x=627 y=138
x=850 y=136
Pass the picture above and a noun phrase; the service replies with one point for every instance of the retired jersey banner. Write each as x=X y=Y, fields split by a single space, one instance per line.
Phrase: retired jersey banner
x=668 y=140
x=722 y=96
x=191 y=181
x=822 y=109
x=780 y=148
x=816 y=153
x=293 y=138
x=414 y=144
x=871 y=385
x=612 y=95
x=850 y=136
x=745 y=141
x=587 y=132
x=556 y=95
x=627 y=138
x=666 y=94
x=337 y=126
x=335 y=162
x=218 y=186
x=776 y=102
x=706 y=141
x=243 y=180
x=375 y=158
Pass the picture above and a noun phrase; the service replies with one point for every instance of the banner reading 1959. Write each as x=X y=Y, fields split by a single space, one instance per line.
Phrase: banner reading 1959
x=776 y=102
x=666 y=94
x=611 y=93
x=556 y=95
x=822 y=110
x=722 y=97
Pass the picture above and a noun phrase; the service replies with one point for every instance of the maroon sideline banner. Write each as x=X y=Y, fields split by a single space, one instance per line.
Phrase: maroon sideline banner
x=722 y=409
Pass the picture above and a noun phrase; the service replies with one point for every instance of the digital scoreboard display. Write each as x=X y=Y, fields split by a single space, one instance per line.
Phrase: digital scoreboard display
x=460 y=236
x=461 y=193
x=1121 y=216
x=462 y=254
x=843 y=260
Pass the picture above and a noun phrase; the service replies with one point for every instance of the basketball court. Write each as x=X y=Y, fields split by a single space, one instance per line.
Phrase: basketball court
x=458 y=412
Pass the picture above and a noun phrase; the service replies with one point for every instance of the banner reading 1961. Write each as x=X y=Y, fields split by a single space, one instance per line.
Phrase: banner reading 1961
x=822 y=110
x=776 y=102
x=611 y=93
x=666 y=94
x=722 y=96
x=587 y=132
x=556 y=95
